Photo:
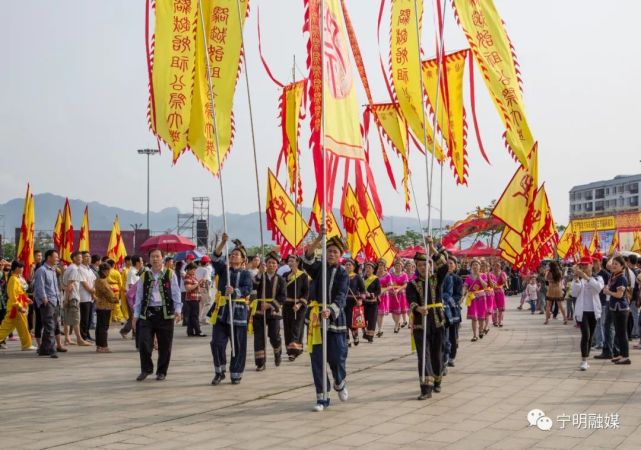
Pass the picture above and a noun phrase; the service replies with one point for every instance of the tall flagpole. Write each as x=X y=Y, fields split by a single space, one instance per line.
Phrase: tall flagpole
x=324 y=215
x=220 y=172
x=253 y=134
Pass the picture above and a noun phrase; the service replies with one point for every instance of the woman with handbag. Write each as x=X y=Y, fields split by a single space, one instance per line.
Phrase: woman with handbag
x=354 y=304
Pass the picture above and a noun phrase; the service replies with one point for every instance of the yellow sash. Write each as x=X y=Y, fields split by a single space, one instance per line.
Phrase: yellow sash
x=370 y=280
x=314 y=335
x=253 y=308
x=412 y=342
x=221 y=301
x=470 y=296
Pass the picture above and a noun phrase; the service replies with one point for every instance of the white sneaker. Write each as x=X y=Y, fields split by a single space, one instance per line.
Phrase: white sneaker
x=343 y=395
x=33 y=347
x=3 y=346
x=319 y=407
x=584 y=365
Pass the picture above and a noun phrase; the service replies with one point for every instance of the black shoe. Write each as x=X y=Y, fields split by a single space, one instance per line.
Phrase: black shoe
x=278 y=357
x=201 y=335
x=161 y=377
x=235 y=381
x=602 y=356
x=437 y=387
x=349 y=343
x=356 y=341
x=450 y=363
x=260 y=368
x=291 y=358
x=218 y=378
x=142 y=376
x=426 y=392
x=54 y=355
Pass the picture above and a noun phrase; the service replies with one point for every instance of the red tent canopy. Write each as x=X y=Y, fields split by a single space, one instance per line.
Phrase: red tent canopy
x=409 y=252
x=470 y=225
x=168 y=243
x=477 y=250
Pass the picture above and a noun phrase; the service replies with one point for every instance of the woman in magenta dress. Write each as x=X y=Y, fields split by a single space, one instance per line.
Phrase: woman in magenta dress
x=398 y=302
x=475 y=298
x=489 y=297
x=387 y=284
x=499 y=291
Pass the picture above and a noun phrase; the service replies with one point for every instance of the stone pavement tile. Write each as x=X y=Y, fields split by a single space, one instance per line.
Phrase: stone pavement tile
x=430 y=426
x=513 y=443
x=120 y=446
x=358 y=439
x=510 y=423
x=606 y=439
x=470 y=443
x=402 y=438
x=471 y=425
x=412 y=419
x=388 y=428
x=447 y=435
x=256 y=444
x=558 y=442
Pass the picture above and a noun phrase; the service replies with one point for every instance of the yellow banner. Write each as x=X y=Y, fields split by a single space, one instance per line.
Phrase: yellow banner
x=293 y=99
x=283 y=219
x=173 y=72
x=566 y=241
x=67 y=235
x=26 y=242
x=449 y=106
x=493 y=52
x=24 y=226
x=342 y=125
x=595 y=245
x=352 y=220
x=394 y=127
x=331 y=224
x=594 y=224
x=116 y=248
x=83 y=243
x=615 y=246
x=224 y=39
x=57 y=231
x=513 y=205
x=406 y=69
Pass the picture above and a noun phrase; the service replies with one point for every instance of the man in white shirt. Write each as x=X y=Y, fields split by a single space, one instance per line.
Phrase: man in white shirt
x=71 y=279
x=86 y=295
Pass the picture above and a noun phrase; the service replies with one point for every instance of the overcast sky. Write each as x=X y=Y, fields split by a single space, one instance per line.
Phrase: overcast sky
x=73 y=86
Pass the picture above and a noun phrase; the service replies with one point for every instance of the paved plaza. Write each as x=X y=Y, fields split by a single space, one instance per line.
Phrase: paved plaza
x=87 y=400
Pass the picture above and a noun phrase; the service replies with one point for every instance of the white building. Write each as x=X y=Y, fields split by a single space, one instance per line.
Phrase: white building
x=602 y=198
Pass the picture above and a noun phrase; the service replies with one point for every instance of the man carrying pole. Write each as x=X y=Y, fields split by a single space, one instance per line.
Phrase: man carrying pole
x=428 y=318
x=267 y=311
x=229 y=314
x=335 y=344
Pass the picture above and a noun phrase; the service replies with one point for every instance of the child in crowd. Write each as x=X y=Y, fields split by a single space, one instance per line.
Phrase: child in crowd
x=532 y=292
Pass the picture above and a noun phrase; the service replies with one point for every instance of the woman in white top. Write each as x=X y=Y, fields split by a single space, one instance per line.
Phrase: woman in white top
x=586 y=288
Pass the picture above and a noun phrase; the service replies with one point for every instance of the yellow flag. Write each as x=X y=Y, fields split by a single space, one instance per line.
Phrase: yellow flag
x=83 y=244
x=636 y=244
x=449 y=107
x=173 y=72
x=394 y=127
x=566 y=241
x=290 y=115
x=615 y=245
x=116 y=248
x=57 y=231
x=514 y=203
x=352 y=219
x=333 y=91
x=331 y=224
x=26 y=242
x=406 y=69
x=283 y=219
x=224 y=38
x=24 y=226
x=494 y=53
x=66 y=249
x=595 y=244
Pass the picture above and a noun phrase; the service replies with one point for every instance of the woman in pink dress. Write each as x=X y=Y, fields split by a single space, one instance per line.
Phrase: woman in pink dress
x=398 y=302
x=499 y=291
x=489 y=297
x=387 y=284
x=474 y=287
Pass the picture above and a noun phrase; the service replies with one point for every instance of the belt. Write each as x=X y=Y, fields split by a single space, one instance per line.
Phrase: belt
x=434 y=305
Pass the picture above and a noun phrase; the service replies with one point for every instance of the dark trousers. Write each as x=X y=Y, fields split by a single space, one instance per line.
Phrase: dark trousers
x=273 y=332
x=451 y=341
x=433 y=369
x=610 y=347
x=37 y=327
x=50 y=329
x=620 y=319
x=31 y=316
x=336 y=358
x=191 y=310
x=129 y=325
x=163 y=330
x=588 y=322
x=293 y=328
x=102 y=326
x=85 y=320
x=371 y=314
x=220 y=336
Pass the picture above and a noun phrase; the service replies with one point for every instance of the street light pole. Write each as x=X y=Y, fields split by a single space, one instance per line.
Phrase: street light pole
x=135 y=227
x=148 y=152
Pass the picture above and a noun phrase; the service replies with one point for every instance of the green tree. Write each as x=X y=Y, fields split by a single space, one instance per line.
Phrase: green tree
x=8 y=250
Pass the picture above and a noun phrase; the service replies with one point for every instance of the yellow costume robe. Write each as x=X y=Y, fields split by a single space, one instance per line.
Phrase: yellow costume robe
x=114 y=279
x=15 y=318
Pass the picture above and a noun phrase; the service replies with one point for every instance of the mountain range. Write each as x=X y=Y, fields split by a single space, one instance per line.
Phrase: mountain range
x=241 y=226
